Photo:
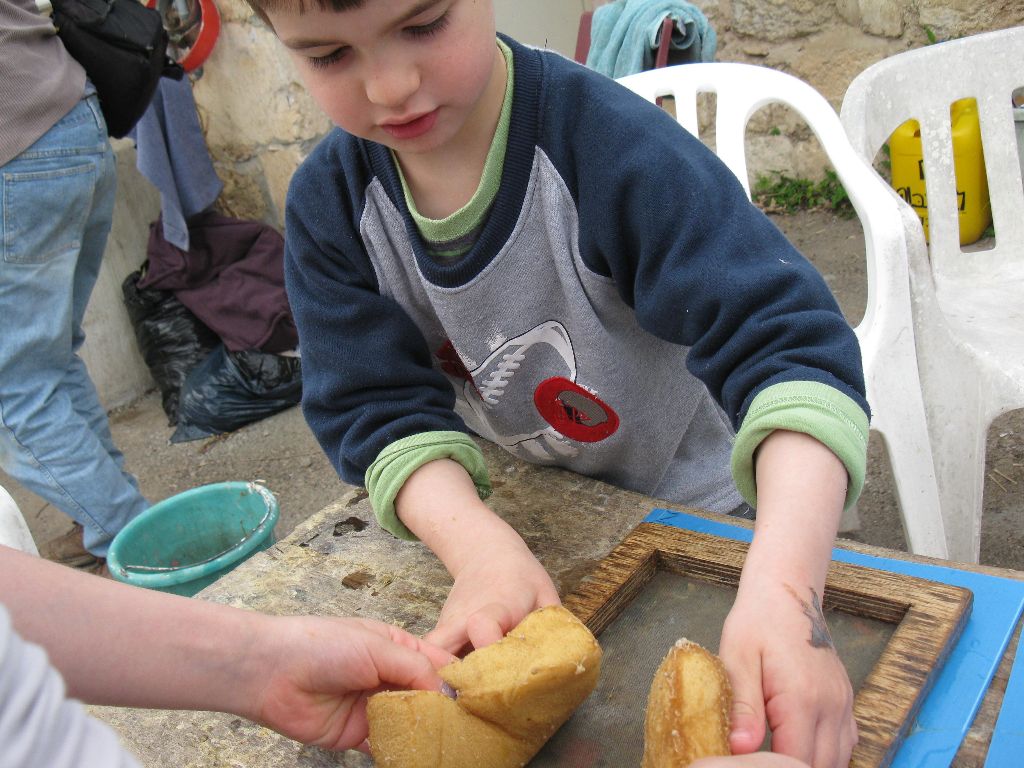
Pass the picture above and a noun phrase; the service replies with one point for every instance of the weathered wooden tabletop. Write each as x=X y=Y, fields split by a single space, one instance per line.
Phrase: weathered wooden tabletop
x=339 y=562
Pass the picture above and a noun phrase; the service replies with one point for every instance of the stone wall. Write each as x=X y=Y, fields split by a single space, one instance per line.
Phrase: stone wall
x=827 y=43
x=260 y=124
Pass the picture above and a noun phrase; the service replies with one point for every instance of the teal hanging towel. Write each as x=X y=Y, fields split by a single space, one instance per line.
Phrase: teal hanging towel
x=624 y=35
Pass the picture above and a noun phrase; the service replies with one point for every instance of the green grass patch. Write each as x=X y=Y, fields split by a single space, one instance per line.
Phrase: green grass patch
x=779 y=193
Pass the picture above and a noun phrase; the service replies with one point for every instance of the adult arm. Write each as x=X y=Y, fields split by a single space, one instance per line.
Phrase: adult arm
x=115 y=644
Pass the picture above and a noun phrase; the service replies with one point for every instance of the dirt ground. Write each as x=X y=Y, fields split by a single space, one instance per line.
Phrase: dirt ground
x=282 y=452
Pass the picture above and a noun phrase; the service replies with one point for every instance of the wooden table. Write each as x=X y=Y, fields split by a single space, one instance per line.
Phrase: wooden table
x=339 y=562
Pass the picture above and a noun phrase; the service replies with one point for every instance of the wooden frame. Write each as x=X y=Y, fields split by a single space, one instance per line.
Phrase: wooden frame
x=928 y=618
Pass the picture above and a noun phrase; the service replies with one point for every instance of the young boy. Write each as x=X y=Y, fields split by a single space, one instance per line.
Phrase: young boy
x=500 y=241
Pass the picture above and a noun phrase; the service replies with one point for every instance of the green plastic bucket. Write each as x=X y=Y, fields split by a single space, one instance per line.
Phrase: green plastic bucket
x=188 y=541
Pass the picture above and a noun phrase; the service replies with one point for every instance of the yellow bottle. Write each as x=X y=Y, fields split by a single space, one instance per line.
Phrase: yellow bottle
x=968 y=160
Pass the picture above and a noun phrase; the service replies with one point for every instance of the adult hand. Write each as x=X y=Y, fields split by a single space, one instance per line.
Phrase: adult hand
x=319 y=672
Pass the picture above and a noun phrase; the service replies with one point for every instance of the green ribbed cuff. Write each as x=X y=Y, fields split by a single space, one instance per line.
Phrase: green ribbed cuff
x=815 y=409
x=389 y=471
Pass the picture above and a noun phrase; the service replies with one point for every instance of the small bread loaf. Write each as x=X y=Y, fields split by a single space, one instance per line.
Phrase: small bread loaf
x=687 y=708
x=426 y=729
x=512 y=696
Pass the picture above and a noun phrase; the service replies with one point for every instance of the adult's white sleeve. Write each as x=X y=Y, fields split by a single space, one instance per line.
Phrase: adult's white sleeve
x=39 y=725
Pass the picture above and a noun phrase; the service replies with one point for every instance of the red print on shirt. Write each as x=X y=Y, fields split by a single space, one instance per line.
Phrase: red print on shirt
x=573 y=411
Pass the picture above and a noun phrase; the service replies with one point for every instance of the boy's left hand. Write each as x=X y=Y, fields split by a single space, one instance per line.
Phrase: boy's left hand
x=784 y=669
x=775 y=644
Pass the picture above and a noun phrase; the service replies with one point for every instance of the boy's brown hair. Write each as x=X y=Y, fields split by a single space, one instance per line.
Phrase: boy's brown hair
x=260 y=7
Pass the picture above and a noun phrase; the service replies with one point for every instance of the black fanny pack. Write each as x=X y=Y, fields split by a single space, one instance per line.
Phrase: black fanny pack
x=122 y=45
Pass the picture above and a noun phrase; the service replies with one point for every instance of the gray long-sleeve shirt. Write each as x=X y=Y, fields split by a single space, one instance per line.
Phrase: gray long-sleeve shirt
x=39 y=81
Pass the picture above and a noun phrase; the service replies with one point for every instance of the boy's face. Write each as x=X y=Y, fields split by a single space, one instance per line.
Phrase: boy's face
x=409 y=74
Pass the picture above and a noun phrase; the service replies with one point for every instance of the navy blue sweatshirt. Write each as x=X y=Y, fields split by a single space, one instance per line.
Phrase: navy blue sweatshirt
x=622 y=308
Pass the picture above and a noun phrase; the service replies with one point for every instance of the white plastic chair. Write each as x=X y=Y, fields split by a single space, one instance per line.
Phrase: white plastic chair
x=13 y=530
x=968 y=307
x=886 y=332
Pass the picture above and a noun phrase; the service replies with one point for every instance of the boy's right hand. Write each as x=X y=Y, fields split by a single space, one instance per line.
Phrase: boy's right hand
x=496 y=587
x=497 y=579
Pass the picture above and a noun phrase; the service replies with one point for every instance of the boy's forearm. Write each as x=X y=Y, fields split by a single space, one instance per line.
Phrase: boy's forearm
x=801 y=488
x=440 y=504
x=120 y=645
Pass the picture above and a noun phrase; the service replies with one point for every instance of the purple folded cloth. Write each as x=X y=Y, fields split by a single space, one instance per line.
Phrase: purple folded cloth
x=231 y=278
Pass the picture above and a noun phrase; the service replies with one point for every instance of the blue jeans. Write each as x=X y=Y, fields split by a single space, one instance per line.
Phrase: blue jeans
x=56 y=207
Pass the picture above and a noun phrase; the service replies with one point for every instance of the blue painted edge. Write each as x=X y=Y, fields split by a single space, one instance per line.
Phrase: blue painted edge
x=1007 y=745
x=949 y=709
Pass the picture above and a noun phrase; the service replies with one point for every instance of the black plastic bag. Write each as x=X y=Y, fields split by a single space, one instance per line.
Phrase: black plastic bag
x=231 y=389
x=172 y=340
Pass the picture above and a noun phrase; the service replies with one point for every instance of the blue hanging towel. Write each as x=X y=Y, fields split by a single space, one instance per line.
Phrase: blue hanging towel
x=172 y=154
x=624 y=35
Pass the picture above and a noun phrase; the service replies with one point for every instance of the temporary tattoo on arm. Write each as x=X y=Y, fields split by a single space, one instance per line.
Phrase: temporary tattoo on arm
x=820 y=637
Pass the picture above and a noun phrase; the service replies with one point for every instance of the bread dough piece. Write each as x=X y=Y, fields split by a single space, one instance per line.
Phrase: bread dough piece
x=532 y=680
x=687 y=708
x=512 y=696
x=426 y=729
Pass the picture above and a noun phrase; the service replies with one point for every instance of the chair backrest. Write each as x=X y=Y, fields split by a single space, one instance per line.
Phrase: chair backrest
x=921 y=85
x=741 y=90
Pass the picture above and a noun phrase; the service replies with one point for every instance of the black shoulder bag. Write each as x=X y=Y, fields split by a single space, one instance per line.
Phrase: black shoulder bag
x=122 y=45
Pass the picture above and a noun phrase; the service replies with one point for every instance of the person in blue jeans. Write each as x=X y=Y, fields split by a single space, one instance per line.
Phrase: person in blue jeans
x=57 y=185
